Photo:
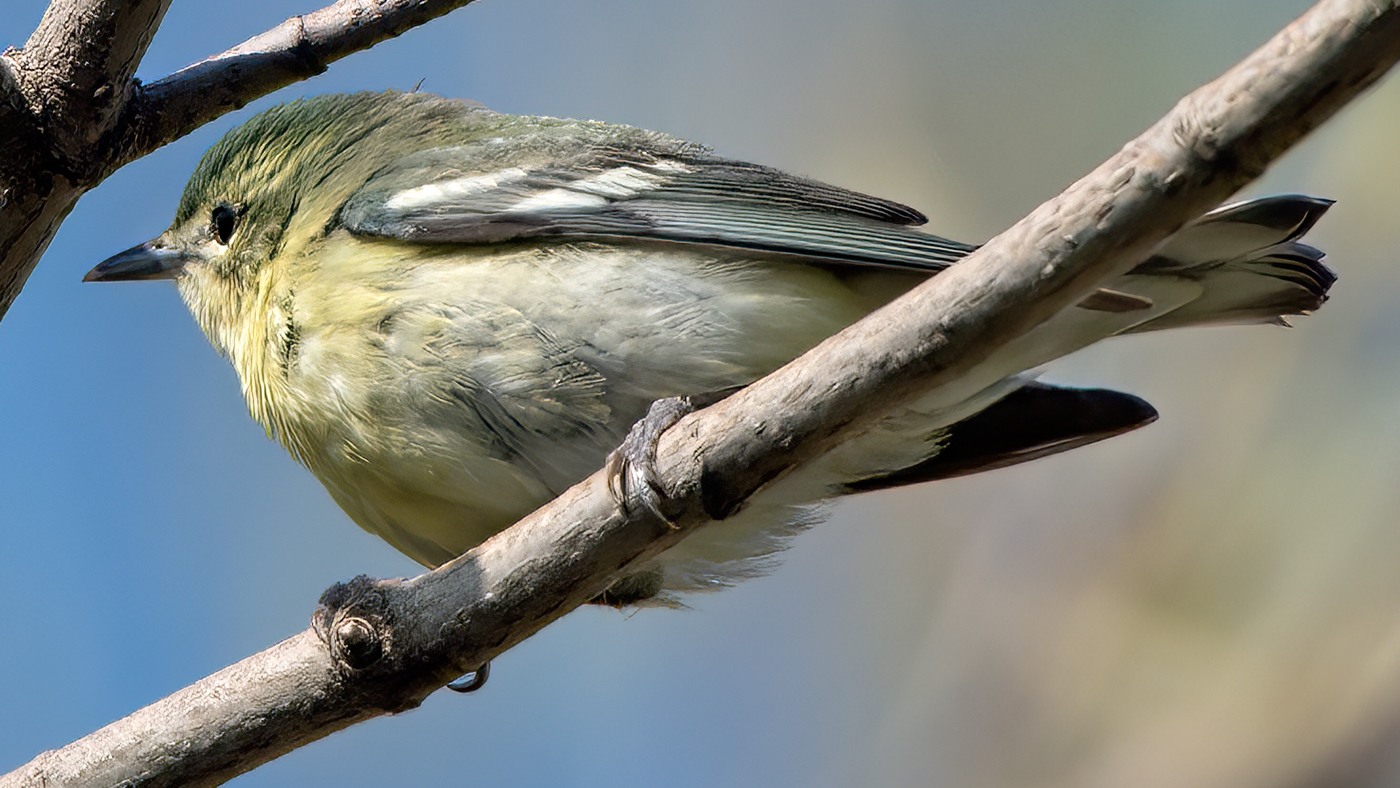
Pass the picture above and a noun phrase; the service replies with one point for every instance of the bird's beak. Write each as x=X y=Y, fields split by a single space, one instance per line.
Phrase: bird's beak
x=146 y=261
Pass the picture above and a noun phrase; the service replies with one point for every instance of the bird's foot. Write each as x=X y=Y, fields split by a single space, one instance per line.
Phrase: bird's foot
x=471 y=682
x=632 y=476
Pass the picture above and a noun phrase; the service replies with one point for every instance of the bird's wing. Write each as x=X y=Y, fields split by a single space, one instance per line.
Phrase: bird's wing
x=676 y=195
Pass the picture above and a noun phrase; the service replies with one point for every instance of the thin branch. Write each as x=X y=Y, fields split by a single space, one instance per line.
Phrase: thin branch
x=297 y=49
x=378 y=647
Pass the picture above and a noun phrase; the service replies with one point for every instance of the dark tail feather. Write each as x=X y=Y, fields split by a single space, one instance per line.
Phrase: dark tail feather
x=1036 y=420
x=1250 y=262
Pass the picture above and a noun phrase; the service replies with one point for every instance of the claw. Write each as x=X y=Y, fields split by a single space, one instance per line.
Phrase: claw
x=471 y=682
x=632 y=477
x=631 y=467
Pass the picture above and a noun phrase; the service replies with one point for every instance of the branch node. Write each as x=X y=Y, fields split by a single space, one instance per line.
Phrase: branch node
x=357 y=644
x=353 y=620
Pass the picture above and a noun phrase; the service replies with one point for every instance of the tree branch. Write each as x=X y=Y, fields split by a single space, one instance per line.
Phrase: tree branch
x=75 y=72
x=59 y=96
x=297 y=49
x=380 y=647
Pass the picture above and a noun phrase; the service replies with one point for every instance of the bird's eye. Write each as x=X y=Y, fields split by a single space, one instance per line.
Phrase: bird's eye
x=222 y=221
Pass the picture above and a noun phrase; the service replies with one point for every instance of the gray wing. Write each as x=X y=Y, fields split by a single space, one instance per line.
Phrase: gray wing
x=671 y=194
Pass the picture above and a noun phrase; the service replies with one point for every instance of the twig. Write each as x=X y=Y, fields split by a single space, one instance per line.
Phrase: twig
x=297 y=49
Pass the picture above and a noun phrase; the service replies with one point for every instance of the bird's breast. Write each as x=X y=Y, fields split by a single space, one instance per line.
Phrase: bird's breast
x=440 y=393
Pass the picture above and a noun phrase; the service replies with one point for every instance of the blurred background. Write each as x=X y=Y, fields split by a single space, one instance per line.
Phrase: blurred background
x=1211 y=601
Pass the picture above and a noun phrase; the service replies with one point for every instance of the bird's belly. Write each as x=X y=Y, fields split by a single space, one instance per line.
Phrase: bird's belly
x=447 y=400
x=433 y=511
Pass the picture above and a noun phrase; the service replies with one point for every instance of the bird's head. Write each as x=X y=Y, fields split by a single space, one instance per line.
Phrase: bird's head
x=263 y=193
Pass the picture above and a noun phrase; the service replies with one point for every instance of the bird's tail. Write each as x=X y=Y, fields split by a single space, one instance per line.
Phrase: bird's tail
x=1248 y=261
x=1241 y=263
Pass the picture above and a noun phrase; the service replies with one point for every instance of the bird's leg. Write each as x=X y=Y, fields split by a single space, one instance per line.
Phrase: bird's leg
x=634 y=482
x=632 y=477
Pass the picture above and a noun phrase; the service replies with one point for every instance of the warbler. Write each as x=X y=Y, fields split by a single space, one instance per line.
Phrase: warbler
x=450 y=315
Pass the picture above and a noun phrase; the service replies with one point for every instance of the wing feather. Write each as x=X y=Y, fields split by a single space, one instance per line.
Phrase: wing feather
x=610 y=194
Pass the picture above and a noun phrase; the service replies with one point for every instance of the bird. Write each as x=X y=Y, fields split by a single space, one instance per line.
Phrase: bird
x=450 y=315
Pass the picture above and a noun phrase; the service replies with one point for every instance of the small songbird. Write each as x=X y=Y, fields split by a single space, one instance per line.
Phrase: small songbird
x=450 y=315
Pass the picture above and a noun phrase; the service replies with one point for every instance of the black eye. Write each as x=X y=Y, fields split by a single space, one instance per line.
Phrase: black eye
x=222 y=220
